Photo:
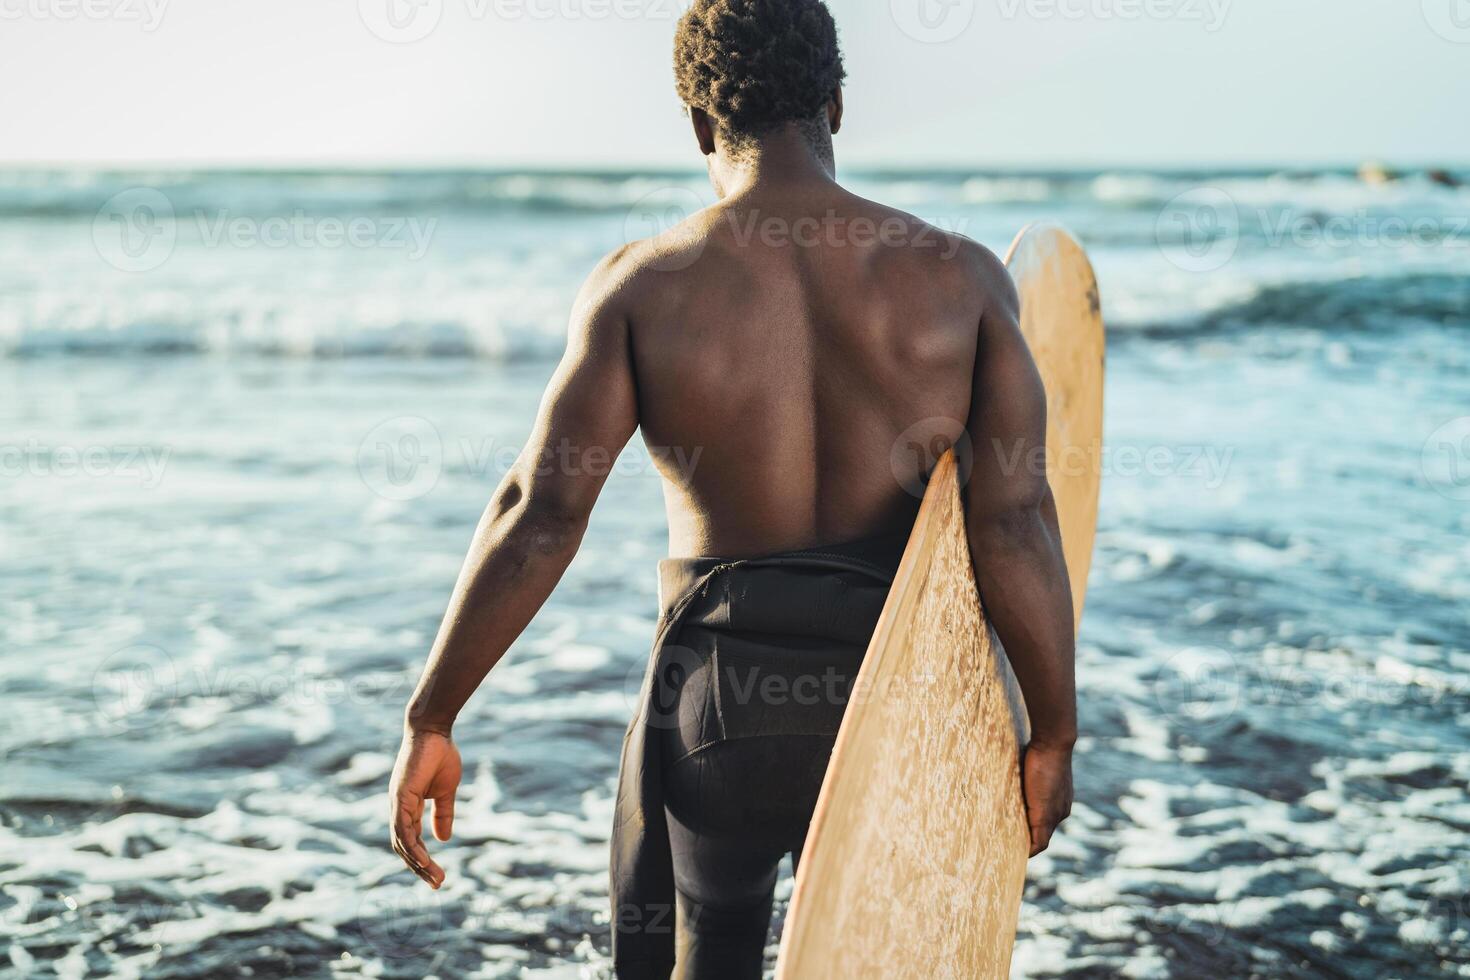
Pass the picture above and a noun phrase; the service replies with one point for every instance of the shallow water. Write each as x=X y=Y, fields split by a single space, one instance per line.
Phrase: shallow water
x=227 y=547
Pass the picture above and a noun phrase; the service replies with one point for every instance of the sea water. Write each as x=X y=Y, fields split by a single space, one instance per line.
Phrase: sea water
x=248 y=422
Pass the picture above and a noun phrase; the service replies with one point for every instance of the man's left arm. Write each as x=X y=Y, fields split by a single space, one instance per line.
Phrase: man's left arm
x=526 y=539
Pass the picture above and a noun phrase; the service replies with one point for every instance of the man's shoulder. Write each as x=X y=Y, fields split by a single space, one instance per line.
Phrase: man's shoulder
x=988 y=269
x=911 y=238
x=617 y=272
x=633 y=270
x=963 y=254
x=973 y=268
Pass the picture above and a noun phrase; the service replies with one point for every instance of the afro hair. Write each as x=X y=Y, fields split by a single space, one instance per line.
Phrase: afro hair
x=755 y=65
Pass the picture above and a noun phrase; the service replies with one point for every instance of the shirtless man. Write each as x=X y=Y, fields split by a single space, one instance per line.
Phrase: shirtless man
x=786 y=339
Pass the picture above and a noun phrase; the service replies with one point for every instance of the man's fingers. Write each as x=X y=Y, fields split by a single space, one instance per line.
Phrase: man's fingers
x=1042 y=830
x=417 y=857
x=407 y=809
x=428 y=875
x=408 y=817
x=1041 y=837
x=414 y=844
x=408 y=841
x=409 y=862
x=444 y=816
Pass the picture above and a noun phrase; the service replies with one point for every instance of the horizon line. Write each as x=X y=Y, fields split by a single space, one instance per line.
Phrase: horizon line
x=386 y=166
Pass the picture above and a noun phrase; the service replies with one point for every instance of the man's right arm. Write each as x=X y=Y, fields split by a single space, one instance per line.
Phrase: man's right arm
x=1016 y=547
x=525 y=540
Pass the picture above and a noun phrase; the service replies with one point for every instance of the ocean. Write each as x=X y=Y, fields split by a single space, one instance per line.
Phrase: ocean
x=251 y=419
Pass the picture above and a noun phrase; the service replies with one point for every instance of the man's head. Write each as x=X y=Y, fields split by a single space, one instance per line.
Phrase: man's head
x=750 y=68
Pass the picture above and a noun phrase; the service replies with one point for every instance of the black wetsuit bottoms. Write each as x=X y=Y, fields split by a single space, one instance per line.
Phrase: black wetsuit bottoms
x=754 y=680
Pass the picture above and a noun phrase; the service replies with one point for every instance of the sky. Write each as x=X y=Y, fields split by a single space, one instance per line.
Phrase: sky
x=588 y=83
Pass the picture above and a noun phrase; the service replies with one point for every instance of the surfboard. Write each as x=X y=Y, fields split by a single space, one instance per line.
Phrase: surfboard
x=916 y=858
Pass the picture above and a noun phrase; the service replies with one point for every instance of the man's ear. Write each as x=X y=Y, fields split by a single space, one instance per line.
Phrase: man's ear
x=834 y=111
x=704 y=130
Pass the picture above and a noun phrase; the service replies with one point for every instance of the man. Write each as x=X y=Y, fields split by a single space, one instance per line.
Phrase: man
x=791 y=338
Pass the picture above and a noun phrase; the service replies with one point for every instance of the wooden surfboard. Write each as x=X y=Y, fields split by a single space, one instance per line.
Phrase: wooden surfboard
x=916 y=858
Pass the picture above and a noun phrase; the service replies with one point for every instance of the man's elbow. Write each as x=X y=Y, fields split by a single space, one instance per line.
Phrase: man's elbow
x=551 y=526
x=540 y=521
x=1019 y=523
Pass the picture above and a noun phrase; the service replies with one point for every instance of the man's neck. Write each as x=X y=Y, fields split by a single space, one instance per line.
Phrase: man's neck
x=785 y=159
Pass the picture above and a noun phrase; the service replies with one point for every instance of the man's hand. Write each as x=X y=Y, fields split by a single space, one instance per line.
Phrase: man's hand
x=428 y=768
x=1046 y=784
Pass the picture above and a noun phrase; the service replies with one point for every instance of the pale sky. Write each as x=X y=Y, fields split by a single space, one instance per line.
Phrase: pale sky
x=587 y=83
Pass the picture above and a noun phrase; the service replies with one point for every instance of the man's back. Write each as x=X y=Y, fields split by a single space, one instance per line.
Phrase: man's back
x=781 y=344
